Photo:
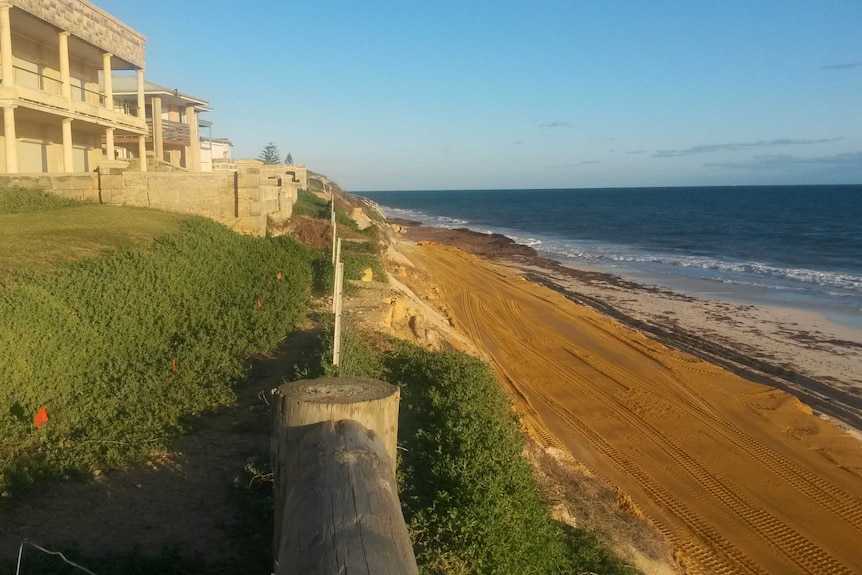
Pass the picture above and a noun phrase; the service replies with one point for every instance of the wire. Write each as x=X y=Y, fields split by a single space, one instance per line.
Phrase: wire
x=49 y=552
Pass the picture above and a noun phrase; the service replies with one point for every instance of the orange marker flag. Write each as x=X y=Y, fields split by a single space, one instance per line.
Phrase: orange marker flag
x=174 y=365
x=259 y=306
x=278 y=277
x=41 y=417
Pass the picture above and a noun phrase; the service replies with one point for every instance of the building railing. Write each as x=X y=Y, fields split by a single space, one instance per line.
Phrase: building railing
x=80 y=93
x=173 y=132
x=37 y=81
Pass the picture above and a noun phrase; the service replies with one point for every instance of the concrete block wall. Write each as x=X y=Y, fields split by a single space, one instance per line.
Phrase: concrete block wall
x=208 y=194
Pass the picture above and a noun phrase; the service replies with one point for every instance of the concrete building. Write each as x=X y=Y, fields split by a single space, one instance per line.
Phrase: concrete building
x=172 y=120
x=216 y=153
x=58 y=60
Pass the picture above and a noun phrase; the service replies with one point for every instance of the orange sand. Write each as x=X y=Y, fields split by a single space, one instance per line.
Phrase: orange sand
x=742 y=478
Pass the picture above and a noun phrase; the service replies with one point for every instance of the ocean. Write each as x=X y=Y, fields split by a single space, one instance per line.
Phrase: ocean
x=792 y=246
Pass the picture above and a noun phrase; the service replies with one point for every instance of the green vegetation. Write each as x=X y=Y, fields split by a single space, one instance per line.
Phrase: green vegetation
x=356 y=261
x=123 y=349
x=309 y=204
x=270 y=154
x=18 y=200
x=41 y=233
x=469 y=497
x=126 y=349
x=473 y=505
x=357 y=255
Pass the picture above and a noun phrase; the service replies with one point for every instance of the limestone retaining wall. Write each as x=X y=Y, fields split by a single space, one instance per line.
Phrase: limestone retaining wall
x=242 y=201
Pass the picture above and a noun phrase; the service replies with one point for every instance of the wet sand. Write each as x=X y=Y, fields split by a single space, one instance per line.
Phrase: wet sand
x=741 y=477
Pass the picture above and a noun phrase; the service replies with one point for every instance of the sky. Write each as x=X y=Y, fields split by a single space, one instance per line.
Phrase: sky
x=476 y=94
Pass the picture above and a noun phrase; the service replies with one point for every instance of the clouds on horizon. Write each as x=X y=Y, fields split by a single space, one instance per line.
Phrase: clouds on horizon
x=573 y=164
x=845 y=66
x=789 y=161
x=737 y=146
x=555 y=124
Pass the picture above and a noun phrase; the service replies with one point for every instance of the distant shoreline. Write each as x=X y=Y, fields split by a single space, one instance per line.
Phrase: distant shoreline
x=796 y=247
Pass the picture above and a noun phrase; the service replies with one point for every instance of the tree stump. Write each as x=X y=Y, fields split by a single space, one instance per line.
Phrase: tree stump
x=369 y=402
x=336 y=500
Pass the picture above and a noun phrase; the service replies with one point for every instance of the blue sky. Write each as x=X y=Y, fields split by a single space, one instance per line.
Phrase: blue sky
x=384 y=95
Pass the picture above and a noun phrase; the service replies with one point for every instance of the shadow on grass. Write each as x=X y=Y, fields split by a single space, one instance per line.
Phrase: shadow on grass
x=204 y=506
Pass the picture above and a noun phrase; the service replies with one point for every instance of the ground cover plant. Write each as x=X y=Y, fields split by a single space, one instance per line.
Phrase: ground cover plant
x=309 y=204
x=359 y=256
x=469 y=497
x=41 y=232
x=123 y=349
x=20 y=200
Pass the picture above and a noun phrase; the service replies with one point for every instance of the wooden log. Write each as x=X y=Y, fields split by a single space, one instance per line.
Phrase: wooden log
x=370 y=402
x=336 y=500
x=338 y=503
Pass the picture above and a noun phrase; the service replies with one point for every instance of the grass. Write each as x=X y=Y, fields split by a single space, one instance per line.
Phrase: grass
x=36 y=242
x=18 y=200
x=122 y=349
x=309 y=204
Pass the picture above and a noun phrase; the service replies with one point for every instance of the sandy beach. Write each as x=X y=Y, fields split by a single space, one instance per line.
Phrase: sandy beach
x=699 y=410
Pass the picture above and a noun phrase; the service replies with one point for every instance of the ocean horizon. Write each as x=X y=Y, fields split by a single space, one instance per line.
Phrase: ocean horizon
x=788 y=246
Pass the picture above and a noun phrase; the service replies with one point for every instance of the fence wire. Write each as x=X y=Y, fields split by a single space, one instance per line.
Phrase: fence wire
x=47 y=552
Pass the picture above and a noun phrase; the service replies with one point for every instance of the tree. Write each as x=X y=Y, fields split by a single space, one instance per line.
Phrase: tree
x=288 y=159
x=270 y=155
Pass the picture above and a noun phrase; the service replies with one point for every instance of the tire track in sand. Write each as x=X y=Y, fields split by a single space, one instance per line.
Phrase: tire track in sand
x=838 y=501
x=841 y=503
x=773 y=531
x=493 y=309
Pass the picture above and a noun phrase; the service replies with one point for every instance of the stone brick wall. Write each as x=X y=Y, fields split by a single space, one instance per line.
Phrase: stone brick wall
x=91 y=24
x=209 y=194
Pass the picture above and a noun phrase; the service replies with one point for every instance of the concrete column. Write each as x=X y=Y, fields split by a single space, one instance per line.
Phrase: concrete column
x=65 y=79
x=6 y=45
x=194 y=155
x=11 y=140
x=109 y=144
x=68 y=158
x=142 y=110
x=158 y=142
x=142 y=152
x=109 y=82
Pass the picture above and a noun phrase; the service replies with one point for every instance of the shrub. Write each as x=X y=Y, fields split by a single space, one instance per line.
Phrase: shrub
x=308 y=204
x=356 y=263
x=469 y=496
x=18 y=200
x=123 y=349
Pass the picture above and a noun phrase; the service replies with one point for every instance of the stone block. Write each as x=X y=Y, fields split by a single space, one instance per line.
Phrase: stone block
x=135 y=180
x=114 y=182
x=247 y=181
x=74 y=182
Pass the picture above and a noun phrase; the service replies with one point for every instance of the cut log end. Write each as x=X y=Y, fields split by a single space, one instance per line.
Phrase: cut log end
x=336 y=390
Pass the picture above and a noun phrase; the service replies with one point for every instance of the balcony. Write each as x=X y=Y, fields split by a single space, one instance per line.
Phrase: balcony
x=173 y=133
x=37 y=81
x=46 y=93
